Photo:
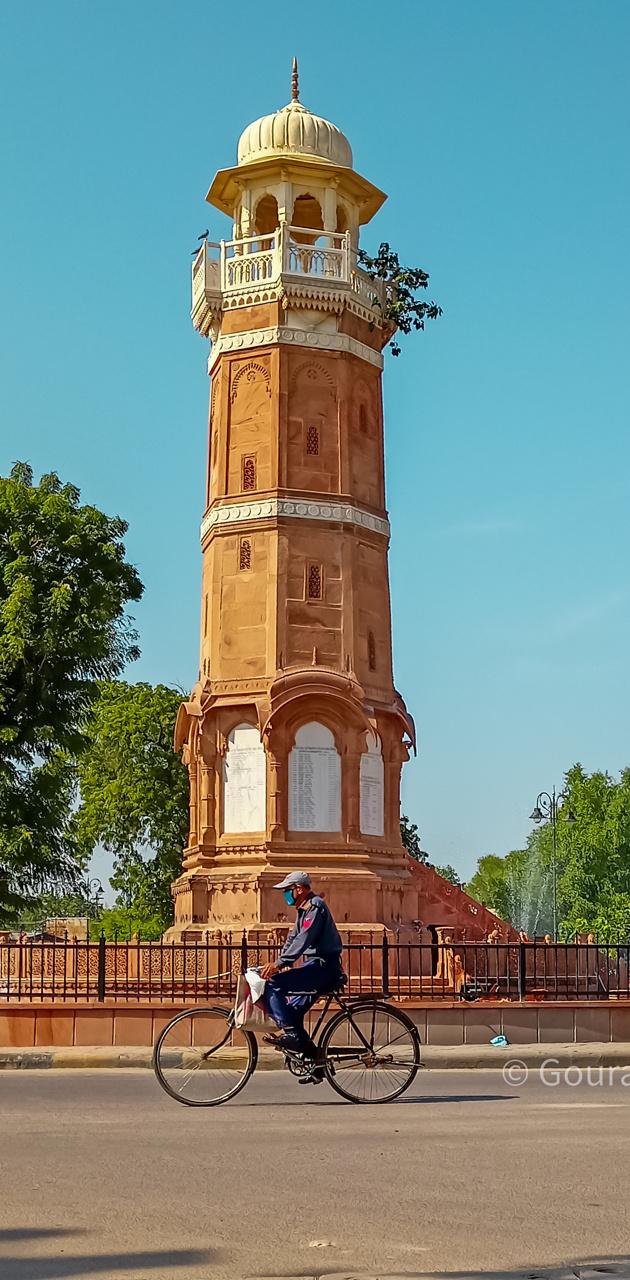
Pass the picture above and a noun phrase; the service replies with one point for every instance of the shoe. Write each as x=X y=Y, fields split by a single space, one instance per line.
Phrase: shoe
x=315 y=1076
x=287 y=1040
x=273 y=1038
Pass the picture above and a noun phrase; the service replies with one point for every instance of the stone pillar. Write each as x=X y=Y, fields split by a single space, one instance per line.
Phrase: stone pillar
x=276 y=788
x=330 y=208
x=394 y=755
x=351 y=788
x=284 y=196
x=193 y=776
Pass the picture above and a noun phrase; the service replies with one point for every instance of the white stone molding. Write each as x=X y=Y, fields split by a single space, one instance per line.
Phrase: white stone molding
x=233 y=513
x=307 y=339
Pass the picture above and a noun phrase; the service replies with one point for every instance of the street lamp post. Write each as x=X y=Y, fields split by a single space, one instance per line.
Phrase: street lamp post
x=93 y=892
x=546 y=810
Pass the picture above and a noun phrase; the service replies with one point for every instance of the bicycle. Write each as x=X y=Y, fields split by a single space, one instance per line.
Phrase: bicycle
x=369 y=1051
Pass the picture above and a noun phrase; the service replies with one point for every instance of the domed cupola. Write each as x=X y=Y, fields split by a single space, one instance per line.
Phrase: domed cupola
x=294 y=131
x=289 y=156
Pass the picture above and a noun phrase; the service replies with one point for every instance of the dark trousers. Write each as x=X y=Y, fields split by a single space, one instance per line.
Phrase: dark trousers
x=289 y=995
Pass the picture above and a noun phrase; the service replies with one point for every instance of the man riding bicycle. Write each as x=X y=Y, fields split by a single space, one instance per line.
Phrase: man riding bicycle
x=289 y=992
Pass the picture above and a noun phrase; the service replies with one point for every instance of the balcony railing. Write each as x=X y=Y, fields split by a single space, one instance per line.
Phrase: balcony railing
x=298 y=252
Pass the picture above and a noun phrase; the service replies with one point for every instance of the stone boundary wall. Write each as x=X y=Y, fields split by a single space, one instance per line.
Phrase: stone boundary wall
x=28 y=1025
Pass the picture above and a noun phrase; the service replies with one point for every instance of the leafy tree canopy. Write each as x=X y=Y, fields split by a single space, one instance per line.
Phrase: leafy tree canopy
x=449 y=873
x=64 y=585
x=403 y=310
x=410 y=837
x=123 y=923
x=52 y=906
x=593 y=864
x=134 y=796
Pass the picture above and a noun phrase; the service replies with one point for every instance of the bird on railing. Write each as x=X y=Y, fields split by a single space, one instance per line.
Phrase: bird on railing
x=203 y=237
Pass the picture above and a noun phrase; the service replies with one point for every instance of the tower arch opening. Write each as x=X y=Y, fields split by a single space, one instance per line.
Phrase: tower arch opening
x=266 y=215
x=372 y=787
x=244 y=781
x=314 y=780
x=307 y=213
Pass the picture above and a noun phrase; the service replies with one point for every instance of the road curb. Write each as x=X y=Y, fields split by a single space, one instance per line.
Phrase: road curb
x=434 y=1057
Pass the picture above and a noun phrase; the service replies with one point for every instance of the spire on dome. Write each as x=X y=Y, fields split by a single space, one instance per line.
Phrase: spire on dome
x=295 y=84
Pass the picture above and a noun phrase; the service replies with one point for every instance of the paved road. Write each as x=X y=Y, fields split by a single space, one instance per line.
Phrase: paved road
x=104 y=1178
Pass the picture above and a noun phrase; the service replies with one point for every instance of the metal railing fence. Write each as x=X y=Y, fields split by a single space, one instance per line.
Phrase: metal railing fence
x=68 y=969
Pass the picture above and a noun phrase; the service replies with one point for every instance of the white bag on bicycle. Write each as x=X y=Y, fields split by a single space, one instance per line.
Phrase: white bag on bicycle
x=250 y=1010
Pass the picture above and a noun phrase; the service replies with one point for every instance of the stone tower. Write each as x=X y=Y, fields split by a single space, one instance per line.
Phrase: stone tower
x=294 y=735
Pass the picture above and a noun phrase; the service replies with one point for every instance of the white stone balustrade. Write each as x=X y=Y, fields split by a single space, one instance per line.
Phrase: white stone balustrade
x=252 y=261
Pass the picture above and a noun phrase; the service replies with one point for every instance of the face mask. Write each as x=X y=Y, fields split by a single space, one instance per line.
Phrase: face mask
x=288 y=897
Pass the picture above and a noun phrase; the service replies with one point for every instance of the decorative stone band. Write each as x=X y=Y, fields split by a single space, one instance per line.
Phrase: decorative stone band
x=305 y=338
x=238 y=513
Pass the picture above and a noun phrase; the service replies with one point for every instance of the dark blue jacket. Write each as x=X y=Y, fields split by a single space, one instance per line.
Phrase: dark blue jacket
x=314 y=934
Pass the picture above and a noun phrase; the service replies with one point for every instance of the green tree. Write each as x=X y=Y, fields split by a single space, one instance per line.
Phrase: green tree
x=122 y=923
x=594 y=854
x=410 y=837
x=592 y=864
x=403 y=309
x=134 y=797
x=449 y=873
x=50 y=906
x=64 y=585
x=489 y=885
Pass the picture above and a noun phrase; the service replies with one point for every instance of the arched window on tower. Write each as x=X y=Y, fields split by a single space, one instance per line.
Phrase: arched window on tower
x=244 y=781
x=266 y=216
x=307 y=213
x=372 y=788
x=314 y=780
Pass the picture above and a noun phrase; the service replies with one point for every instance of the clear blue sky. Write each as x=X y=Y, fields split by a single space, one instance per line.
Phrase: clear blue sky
x=500 y=132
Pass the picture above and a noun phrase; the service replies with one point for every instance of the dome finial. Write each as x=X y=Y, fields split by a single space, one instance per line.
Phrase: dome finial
x=295 y=86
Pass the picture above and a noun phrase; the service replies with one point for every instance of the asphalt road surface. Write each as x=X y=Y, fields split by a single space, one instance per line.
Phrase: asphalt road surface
x=104 y=1177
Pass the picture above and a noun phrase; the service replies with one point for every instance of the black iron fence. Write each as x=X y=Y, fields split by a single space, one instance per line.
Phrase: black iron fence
x=66 y=970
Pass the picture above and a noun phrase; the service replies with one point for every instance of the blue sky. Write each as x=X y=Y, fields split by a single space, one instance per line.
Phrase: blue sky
x=499 y=131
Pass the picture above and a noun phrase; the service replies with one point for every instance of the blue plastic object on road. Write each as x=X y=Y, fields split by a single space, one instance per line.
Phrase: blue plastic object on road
x=500 y=1042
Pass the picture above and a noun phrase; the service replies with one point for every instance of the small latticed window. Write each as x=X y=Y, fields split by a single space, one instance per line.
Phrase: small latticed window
x=245 y=554
x=249 y=473
x=371 y=651
x=312 y=440
x=314 y=582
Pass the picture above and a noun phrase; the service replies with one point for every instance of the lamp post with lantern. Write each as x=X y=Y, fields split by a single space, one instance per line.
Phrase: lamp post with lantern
x=546 y=810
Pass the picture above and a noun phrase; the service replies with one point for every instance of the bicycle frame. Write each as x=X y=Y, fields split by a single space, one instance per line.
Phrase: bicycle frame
x=346 y=1007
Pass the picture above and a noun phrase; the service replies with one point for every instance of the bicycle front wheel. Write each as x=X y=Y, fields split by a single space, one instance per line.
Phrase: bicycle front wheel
x=370 y=1052
x=201 y=1059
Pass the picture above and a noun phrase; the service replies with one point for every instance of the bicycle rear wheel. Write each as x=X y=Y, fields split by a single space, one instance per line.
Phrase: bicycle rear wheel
x=201 y=1059
x=370 y=1052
